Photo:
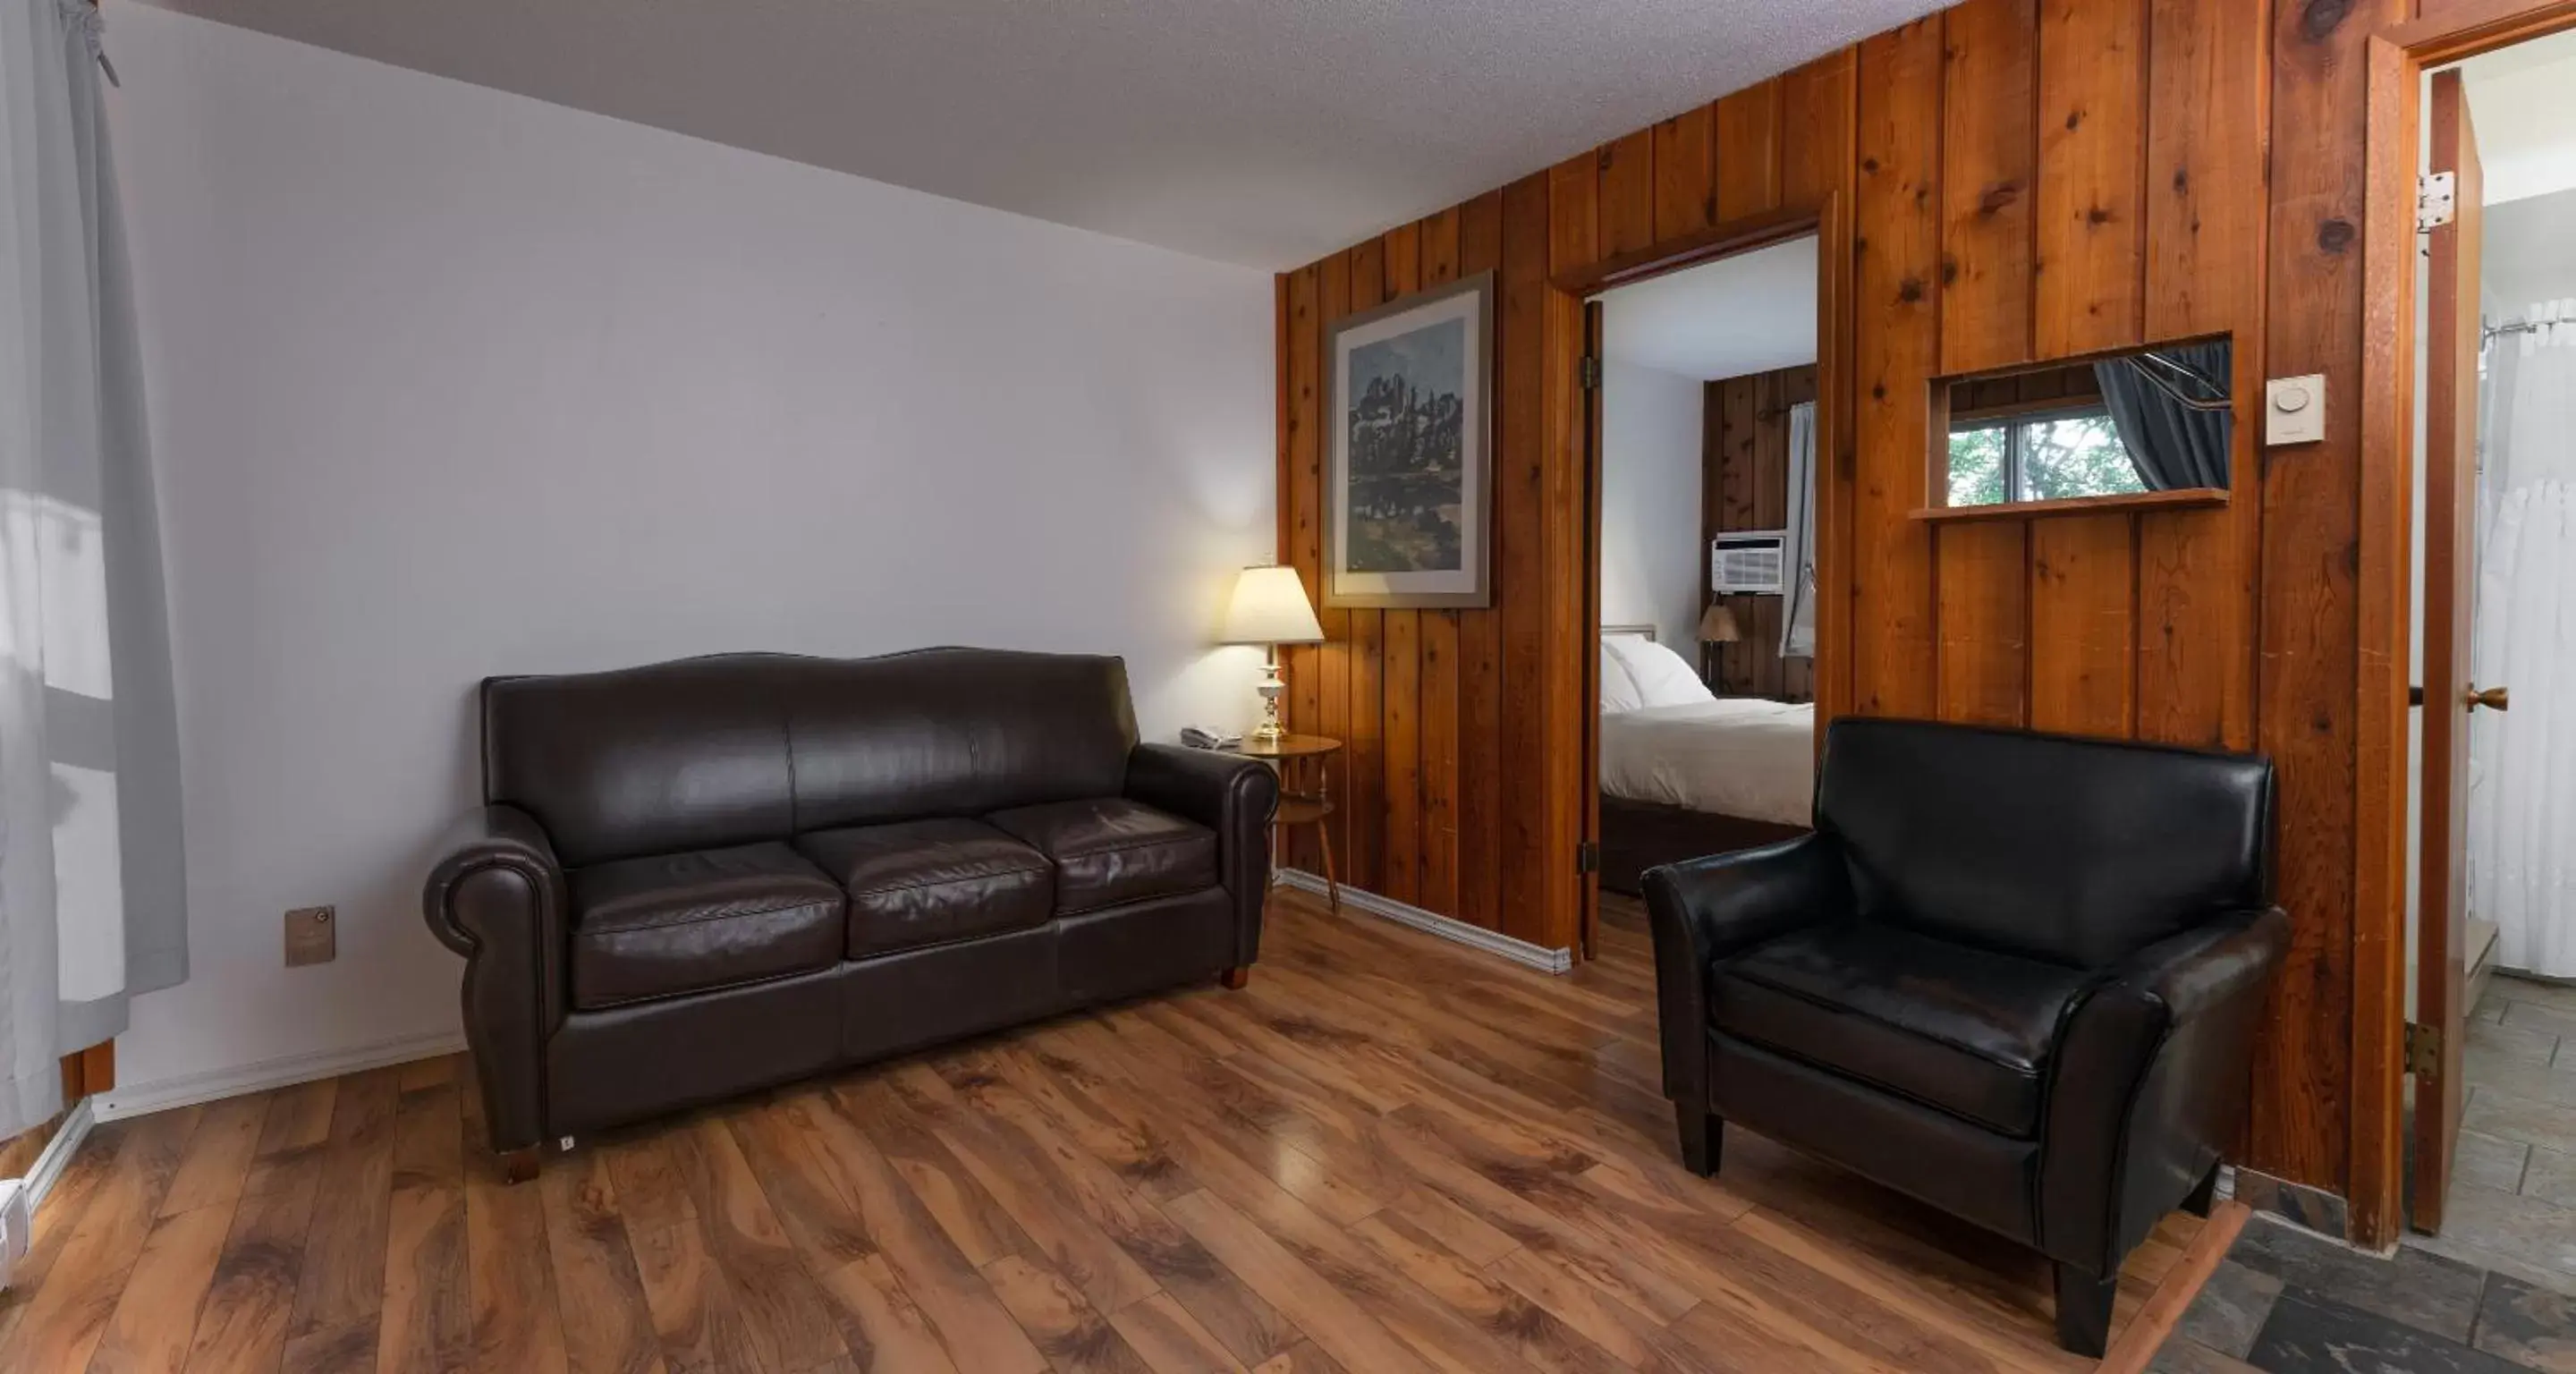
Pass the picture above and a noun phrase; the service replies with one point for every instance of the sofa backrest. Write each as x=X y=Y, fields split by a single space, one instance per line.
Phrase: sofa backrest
x=2076 y=851
x=738 y=748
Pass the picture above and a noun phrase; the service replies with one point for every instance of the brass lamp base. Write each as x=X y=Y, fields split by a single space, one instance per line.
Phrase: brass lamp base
x=1270 y=731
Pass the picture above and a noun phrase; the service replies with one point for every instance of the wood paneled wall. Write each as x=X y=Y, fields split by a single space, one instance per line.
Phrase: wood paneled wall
x=2027 y=180
x=1462 y=781
x=1744 y=485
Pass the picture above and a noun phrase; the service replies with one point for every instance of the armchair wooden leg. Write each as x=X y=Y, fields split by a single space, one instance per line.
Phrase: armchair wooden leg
x=2204 y=1194
x=2084 y=1311
x=1235 y=977
x=520 y=1166
x=1703 y=1137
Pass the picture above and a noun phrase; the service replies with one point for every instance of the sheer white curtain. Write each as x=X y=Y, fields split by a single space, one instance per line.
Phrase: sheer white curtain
x=1798 y=627
x=2522 y=762
x=91 y=865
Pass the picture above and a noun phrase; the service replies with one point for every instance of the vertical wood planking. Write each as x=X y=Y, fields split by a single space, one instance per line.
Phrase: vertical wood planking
x=1578 y=218
x=1401 y=706
x=1897 y=345
x=1816 y=128
x=1301 y=520
x=1685 y=173
x=1333 y=708
x=1818 y=163
x=1519 y=481
x=2309 y=630
x=2082 y=624
x=1365 y=747
x=1748 y=151
x=1624 y=194
x=1737 y=403
x=2091 y=219
x=1985 y=623
x=1989 y=160
x=1480 y=632
x=1436 y=889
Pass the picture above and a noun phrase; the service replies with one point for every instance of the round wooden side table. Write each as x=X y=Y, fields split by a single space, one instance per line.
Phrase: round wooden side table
x=1305 y=793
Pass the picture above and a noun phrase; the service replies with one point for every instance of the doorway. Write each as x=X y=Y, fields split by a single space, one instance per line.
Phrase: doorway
x=1703 y=384
x=2490 y=762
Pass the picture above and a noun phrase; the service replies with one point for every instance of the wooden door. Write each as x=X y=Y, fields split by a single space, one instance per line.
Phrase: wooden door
x=1589 y=464
x=2450 y=514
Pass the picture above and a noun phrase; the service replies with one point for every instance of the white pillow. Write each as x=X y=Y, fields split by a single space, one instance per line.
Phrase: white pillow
x=1662 y=678
x=1618 y=687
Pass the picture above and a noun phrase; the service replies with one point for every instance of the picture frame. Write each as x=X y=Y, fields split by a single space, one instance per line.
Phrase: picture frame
x=1408 y=484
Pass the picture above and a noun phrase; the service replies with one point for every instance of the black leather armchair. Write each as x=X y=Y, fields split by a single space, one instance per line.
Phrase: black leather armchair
x=2017 y=976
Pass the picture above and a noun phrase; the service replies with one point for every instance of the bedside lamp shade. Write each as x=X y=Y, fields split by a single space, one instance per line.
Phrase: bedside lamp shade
x=1717 y=625
x=1270 y=607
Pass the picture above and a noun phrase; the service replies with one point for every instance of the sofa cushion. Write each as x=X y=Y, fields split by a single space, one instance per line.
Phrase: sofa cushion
x=1112 y=850
x=1964 y=1030
x=930 y=882
x=667 y=924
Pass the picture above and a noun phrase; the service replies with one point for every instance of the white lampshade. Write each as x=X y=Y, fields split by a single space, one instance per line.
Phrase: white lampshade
x=1270 y=607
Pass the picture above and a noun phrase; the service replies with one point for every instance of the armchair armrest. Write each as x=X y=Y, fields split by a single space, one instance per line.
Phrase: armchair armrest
x=497 y=896
x=1229 y=794
x=1707 y=910
x=2151 y=1082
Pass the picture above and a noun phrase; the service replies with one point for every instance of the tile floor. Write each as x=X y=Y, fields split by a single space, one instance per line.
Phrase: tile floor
x=2495 y=1293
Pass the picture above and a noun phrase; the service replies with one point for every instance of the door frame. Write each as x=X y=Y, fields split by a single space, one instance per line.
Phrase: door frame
x=2393 y=133
x=1576 y=295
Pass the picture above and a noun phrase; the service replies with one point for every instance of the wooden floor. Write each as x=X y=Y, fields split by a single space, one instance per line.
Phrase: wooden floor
x=1388 y=1154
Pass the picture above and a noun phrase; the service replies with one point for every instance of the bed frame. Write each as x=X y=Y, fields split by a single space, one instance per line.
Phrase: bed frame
x=1636 y=836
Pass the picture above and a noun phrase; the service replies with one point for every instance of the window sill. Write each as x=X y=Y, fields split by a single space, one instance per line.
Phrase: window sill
x=2188 y=498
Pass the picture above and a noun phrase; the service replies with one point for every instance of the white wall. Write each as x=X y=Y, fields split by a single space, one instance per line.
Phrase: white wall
x=1651 y=560
x=447 y=382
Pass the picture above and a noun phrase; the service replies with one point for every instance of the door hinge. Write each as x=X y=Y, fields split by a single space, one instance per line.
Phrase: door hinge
x=1587 y=857
x=1591 y=372
x=2423 y=1051
x=2437 y=200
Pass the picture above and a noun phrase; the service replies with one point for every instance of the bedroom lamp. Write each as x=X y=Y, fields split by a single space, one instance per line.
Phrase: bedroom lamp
x=1269 y=608
x=1716 y=626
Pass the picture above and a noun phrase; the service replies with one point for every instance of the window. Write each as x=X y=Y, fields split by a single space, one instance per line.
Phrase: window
x=2053 y=456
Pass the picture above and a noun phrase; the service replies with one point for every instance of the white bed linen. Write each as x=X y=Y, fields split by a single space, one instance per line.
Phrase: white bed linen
x=1735 y=756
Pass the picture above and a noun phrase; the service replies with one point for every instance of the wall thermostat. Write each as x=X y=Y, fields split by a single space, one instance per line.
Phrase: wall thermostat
x=2294 y=410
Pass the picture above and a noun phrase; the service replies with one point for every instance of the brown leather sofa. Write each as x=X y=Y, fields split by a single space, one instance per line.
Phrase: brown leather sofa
x=2017 y=976
x=702 y=877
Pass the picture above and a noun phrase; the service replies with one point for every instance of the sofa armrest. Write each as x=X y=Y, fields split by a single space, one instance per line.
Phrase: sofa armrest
x=2150 y=1081
x=1229 y=794
x=1707 y=910
x=497 y=896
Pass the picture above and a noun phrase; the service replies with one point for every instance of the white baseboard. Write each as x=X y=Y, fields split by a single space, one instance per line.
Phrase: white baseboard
x=189 y=1090
x=59 y=1151
x=1519 y=951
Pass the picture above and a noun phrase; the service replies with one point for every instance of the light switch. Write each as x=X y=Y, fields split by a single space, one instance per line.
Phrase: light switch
x=2294 y=410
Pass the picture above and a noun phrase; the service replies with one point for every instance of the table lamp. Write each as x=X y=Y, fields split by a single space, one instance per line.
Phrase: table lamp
x=1270 y=608
x=1716 y=626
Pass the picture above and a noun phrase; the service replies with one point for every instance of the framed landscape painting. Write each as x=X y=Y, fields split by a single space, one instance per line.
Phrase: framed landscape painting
x=1408 y=476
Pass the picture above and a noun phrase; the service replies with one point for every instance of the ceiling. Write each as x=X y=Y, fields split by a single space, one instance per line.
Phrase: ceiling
x=1260 y=132
x=1754 y=312
x=2522 y=102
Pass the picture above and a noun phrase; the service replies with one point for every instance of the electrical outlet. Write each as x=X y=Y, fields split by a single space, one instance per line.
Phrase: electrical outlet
x=312 y=936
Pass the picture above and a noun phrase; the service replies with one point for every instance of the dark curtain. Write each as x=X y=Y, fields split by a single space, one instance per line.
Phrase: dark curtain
x=2170 y=406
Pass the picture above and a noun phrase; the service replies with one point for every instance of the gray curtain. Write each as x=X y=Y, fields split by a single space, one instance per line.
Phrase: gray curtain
x=92 y=862
x=2155 y=401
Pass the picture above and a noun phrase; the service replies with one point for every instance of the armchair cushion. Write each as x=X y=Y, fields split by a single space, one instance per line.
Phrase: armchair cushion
x=1111 y=851
x=667 y=924
x=1945 y=1025
x=930 y=882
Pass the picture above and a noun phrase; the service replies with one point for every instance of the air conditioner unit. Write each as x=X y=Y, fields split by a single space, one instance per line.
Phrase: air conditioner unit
x=1749 y=563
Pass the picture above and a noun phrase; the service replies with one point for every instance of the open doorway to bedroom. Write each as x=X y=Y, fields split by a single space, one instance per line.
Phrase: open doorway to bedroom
x=1705 y=555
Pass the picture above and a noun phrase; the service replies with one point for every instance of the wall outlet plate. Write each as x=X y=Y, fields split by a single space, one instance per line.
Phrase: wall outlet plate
x=2294 y=409
x=312 y=936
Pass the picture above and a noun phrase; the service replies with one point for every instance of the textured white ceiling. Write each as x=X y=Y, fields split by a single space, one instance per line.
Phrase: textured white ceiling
x=1262 y=132
x=1754 y=312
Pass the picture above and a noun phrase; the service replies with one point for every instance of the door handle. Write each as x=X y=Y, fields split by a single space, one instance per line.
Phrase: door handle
x=2492 y=698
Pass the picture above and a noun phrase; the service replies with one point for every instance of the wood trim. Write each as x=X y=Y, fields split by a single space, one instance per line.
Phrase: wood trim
x=2464 y=28
x=2186 y=498
x=1724 y=239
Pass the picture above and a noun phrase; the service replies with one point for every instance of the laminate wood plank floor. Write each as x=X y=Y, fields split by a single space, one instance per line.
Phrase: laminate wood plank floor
x=1388 y=1154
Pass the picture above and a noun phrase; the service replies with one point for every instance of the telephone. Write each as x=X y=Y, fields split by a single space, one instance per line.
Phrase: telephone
x=1197 y=738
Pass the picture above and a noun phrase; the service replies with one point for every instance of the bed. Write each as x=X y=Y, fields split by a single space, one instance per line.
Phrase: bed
x=1685 y=773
